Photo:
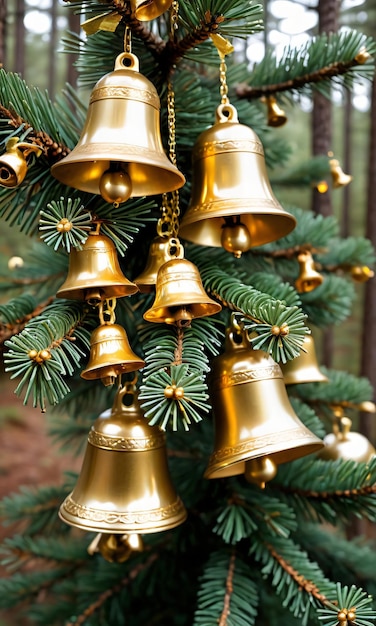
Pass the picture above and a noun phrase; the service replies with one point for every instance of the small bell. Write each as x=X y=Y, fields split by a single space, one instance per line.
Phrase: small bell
x=344 y=444
x=304 y=368
x=276 y=115
x=361 y=273
x=94 y=272
x=110 y=355
x=308 y=279
x=232 y=204
x=180 y=295
x=339 y=178
x=162 y=249
x=256 y=428
x=146 y=10
x=13 y=163
x=120 y=152
x=116 y=548
x=124 y=486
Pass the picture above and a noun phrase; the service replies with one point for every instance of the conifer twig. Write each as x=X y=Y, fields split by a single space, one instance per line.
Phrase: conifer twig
x=229 y=589
x=8 y=330
x=81 y=619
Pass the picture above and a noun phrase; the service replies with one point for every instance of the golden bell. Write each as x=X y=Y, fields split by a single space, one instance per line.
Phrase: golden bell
x=162 y=249
x=116 y=548
x=230 y=188
x=308 y=279
x=94 y=272
x=253 y=417
x=304 y=368
x=121 y=134
x=276 y=115
x=110 y=355
x=146 y=10
x=180 y=295
x=346 y=445
x=361 y=273
x=124 y=485
x=339 y=178
x=13 y=163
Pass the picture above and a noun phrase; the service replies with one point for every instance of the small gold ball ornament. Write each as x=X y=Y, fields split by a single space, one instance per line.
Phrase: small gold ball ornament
x=15 y=262
x=115 y=186
x=236 y=239
x=64 y=226
x=260 y=471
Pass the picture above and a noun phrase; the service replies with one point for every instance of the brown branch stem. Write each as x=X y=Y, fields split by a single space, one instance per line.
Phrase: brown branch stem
x=229 y=590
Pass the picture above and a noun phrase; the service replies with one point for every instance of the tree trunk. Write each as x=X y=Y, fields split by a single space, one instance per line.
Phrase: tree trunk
x=322 y=142
x=74 y=27
x=52 y=63
x=3 y=28
x=347 y=164
x=19 y=43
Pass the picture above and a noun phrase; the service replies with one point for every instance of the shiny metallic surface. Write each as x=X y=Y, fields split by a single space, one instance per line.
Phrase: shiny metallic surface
x=309 y=278
x=162 y=249
x=253 y=416
x=94 y=272
x=179 y=287
x=124 y=485
x=229 y=179
x=146 y=10
x=347 y=445
x=122 y=126
x=304 y=368
x=110 y=354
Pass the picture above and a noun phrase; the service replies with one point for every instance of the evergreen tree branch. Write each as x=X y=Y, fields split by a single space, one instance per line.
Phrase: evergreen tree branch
x=124 y=582
x=13 y=321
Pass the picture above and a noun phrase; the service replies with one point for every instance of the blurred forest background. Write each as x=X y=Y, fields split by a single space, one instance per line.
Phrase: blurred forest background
x=33 y=35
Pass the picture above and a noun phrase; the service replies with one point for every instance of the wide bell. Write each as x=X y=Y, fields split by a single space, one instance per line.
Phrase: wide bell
x=232 y=204
x=256 y=428
x=276 y=116
x=13 y=163
x=110 y=355
x=308 y=279
x=146 y=10
x=180 y=295
x=120 y=149
x=339 y=178
x=162 y=249
x=304 y=368
x=124 y=485
x=345 y=444
x=94 y=272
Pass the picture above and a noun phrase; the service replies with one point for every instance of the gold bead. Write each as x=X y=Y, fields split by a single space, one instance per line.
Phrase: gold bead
x=64 y=225
x=179 y=393
x=15 y=262
x=284 y=330
x=275 y=330
x=351 y=615
x=169 y=391
x=45 y=355
x=32 y=354
x=342 y=615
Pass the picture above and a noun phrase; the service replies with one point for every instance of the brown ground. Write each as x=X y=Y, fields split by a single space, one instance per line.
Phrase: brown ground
x=27 y=457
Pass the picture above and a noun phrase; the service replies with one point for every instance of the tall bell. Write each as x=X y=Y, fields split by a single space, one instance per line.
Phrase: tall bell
x=304 y=368
x=256 y=428
x=308 y=279
x=94 y=272
x=180 y=295
x=120 y=152
x=339 y=178
x=276 y=116
x=110 y=355
x=146 y=10
x=162 y=249
x=124 y=485
x=13 y=163
x=232 y=204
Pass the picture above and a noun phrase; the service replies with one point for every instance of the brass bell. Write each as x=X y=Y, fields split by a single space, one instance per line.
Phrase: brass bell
x=308 y=279
x=232 y=204
x=146 y=10
x=116 y=548
x=94 y=272
x=124 y=485
x=344 y=444
x=361 y=273
x=162 y=249
x=256 y=428
x=110 y=355
x=304 y=368
x=276 y=115
x=180 y=295
x=13 y=163
x=120 y=150
x=339 y=178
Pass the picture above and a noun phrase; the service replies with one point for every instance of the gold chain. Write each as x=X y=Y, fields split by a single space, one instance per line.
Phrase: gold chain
x=127 y=39
x=223 y=80
x=110 y=311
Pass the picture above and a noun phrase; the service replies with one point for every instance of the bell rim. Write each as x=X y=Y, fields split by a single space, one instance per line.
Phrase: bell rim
x=158 y=314
x=176 y=510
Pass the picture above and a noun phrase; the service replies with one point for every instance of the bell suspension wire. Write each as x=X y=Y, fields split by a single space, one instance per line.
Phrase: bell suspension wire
x=127 y=39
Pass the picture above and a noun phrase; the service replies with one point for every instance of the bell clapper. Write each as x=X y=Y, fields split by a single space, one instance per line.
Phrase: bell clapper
x=235 y=236
x=260 y=471
x=115 y=185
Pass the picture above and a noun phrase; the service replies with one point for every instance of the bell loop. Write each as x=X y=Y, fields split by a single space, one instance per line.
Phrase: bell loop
x=226 y=112
x=132 y=62
x=110 y=310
